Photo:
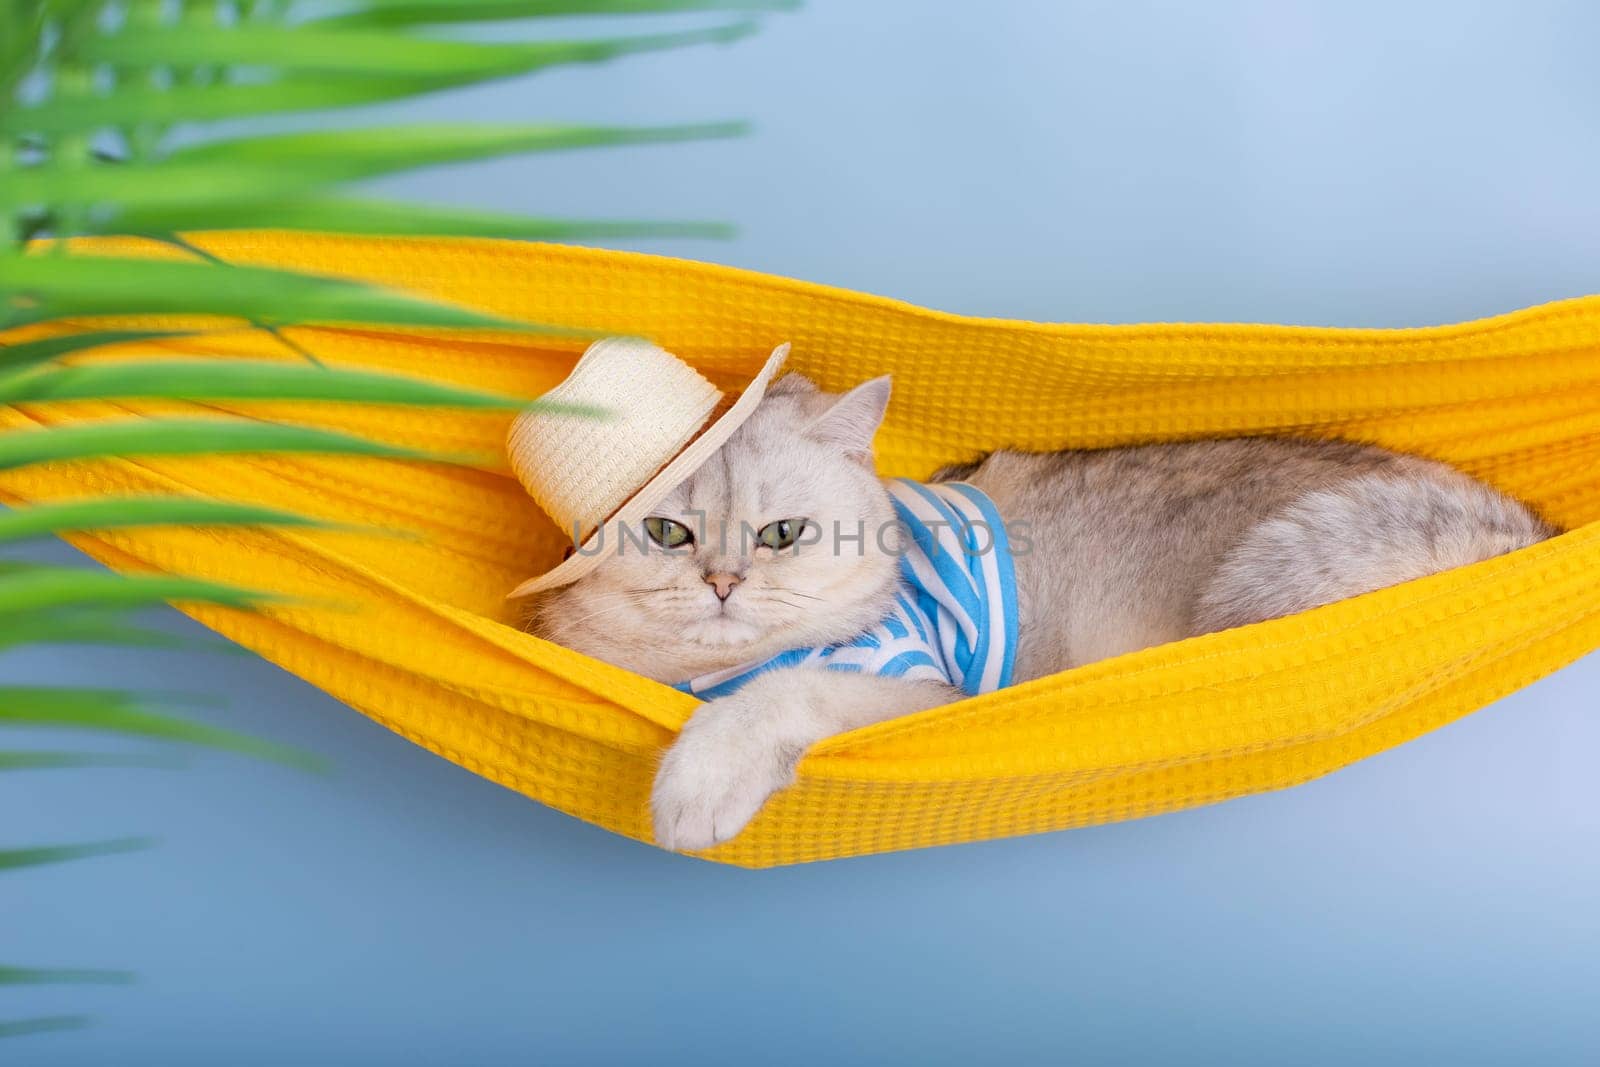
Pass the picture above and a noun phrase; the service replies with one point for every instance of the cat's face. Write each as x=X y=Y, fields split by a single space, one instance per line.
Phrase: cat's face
x=783 y=539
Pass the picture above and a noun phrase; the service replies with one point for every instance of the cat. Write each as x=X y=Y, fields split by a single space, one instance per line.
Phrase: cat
x=1115 y=550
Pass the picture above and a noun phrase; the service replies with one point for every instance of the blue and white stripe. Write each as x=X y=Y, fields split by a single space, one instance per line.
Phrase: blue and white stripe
x=955 y=615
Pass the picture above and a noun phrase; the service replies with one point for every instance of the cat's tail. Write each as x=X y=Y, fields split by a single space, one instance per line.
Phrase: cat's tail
x=1366 y=533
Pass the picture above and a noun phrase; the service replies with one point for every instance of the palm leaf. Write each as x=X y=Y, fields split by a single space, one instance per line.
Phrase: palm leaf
x=177 y=437
x=336 y=69
x=208 y=178
x=32 y=353
x=61 y=976
x=343 y=155
x=76 y=159
x=141 y=105
x=158 y=184
x=421 y=62
x=107 y=513
x=347 y=215
x=41 y=287
x=95 y=625
x=244 y=379
x=116 y=711
x=398 y=13
x=33 y=760
x=44 y=1024
x=13 y=858
x=26 y=589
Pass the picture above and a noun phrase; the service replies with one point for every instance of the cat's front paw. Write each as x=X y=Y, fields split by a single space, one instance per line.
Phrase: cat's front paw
x=712 y=782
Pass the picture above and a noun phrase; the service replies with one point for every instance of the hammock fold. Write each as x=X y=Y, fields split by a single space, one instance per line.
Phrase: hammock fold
x=415 y=633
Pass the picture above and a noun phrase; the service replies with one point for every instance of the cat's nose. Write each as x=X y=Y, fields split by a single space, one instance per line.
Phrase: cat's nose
x=723 y=583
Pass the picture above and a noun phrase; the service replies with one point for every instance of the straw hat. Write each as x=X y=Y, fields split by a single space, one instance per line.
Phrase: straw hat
x=658 y=429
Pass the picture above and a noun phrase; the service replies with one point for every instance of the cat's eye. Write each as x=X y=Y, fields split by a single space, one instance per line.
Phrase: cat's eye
x=666 y=533
x=780 y=534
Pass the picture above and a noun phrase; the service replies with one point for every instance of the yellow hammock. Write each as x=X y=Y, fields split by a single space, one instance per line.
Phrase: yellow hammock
x=421 y=640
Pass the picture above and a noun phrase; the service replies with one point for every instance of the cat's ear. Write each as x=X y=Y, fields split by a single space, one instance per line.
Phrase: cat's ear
x=853 y=419
x=792 y=384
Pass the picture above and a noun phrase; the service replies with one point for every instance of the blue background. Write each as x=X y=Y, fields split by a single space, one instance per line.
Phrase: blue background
x=1342 y=163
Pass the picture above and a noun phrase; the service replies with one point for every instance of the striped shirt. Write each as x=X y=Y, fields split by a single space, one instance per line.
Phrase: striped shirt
x=954 y=618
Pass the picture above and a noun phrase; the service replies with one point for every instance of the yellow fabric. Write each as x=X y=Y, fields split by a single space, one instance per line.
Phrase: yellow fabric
x=414 y=632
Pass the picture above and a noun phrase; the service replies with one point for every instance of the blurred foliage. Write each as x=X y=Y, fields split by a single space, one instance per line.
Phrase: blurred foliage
x=104 y=132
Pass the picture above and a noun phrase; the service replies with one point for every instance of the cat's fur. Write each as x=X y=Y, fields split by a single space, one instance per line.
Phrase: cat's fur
x=1117 y=549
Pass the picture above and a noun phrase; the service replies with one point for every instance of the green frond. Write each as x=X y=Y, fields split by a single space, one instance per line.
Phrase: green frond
x=322 y=69
x=87 y=110
x=29 y=589
x=193 y=437
x=62 y=976
x=119 y=712
x=34 y=761
x=13 y=858
x=38 y=288
x=423 y=62
x=157 y=106
x=32 y=353
x=98 y=625
x=244 y=379
x=118 y=512
x=398 y=13
x=261 y=181
x=345 y=155
x=44 y=1024
x=337 y=214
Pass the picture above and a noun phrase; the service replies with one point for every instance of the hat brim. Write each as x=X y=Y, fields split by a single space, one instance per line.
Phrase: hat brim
x=688 y=460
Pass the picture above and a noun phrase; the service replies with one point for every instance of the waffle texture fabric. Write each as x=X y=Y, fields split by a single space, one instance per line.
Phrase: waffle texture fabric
x=415 y=632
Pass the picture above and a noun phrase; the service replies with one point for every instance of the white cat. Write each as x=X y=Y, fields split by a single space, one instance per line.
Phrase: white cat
x=757 y=554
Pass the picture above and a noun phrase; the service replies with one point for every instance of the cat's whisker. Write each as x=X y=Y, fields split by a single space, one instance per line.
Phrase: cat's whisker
x=600 y=614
